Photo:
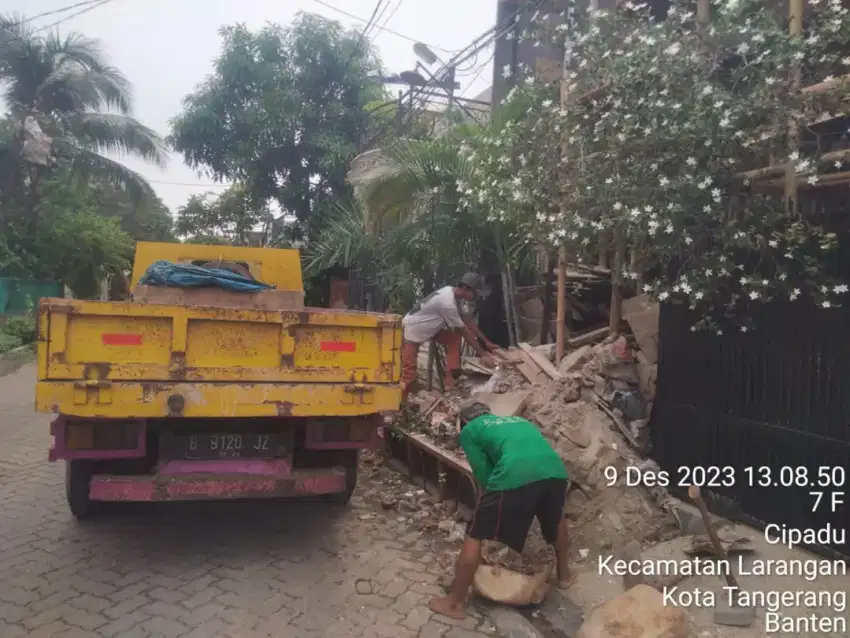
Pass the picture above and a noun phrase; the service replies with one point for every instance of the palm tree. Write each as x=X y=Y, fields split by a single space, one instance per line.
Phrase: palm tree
x=408 y=227
x=66 y=86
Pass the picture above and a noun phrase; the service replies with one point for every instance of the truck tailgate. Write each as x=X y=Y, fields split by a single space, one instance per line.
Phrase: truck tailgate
x=126 y=341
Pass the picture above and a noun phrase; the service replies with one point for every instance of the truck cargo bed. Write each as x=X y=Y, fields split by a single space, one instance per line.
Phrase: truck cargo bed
x=125 y=341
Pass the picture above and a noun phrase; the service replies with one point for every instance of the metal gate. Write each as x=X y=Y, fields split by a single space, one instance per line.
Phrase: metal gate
x=776 y=397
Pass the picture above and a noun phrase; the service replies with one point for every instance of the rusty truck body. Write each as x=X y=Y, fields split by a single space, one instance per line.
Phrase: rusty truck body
x=176 y=396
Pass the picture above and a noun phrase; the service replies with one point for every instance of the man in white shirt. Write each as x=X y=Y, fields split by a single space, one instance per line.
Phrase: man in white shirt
x=444 y=317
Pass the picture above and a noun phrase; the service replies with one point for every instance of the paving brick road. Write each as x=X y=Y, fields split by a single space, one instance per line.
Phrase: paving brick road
x=237 y=570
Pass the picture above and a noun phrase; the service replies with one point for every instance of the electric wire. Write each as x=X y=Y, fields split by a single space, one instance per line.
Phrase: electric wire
x=370 y=22
x=417 y=96
x=72 y=16
x=201 y=185
x=363 y=35
x=390 y=17
x=390 y=31
x=477 y=75
x=55 y=11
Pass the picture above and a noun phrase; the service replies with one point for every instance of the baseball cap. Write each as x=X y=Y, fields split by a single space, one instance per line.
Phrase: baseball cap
x=471 y=409
x=476 y=283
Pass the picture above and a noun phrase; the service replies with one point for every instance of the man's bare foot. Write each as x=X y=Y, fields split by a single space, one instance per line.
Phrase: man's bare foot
x=566 y=583
x=447 y=607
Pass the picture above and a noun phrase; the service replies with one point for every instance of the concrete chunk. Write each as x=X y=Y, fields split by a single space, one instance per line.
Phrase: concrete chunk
x=563 y=614
x=732 y=616
x=511 y=624
x=637 y=613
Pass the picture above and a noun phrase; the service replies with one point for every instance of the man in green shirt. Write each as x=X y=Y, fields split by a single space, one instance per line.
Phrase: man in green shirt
x=520 y=477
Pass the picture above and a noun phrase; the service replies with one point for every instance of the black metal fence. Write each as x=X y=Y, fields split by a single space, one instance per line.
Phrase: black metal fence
x=777 y=397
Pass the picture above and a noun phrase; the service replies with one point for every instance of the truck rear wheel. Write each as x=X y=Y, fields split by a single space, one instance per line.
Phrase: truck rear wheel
x=77 y=479
x=348 y=459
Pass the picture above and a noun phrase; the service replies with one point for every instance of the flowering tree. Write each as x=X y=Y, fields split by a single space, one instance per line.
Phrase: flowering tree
x=663 y=120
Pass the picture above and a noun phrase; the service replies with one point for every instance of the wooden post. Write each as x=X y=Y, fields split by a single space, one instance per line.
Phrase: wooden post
x=561 y=306
x=615 y=315
x=703 y=11
x=545 y=320
x=561 y=285
x=795 y=29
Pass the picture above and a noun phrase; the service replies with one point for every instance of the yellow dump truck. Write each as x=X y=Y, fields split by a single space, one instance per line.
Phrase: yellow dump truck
x=208 y=394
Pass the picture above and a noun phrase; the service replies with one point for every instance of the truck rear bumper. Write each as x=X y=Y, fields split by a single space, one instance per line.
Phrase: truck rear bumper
x=148 y=400
x=239 y=480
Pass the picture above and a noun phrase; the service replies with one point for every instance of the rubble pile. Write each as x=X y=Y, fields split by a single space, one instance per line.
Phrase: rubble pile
x=599 y=395
x=412 y=505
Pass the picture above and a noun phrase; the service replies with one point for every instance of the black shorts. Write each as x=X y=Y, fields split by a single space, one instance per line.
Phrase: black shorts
x=506 y=516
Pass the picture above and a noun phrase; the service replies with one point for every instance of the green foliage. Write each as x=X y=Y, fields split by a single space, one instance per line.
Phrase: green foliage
x=88 y=246
x=225 y=219
x=9 y=342
x=21 y=328
x=408 y=230
x=282 y=113
x=68 y=213
x=76 y=246
x=674 y=112
x=58 y=90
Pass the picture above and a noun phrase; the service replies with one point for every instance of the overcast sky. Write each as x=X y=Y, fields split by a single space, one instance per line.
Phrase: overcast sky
x=166 y=47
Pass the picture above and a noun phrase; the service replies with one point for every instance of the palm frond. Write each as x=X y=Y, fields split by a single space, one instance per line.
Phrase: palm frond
x=87 y=166
x=75 y=50
x=417 y=171
x=106 y=132
x=342 y=241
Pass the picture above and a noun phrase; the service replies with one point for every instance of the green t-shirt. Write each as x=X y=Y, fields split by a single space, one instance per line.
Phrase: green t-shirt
x=509 y=452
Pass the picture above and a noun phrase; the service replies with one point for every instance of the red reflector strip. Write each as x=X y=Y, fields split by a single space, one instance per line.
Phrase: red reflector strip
x=121 y=339
x=339 y=346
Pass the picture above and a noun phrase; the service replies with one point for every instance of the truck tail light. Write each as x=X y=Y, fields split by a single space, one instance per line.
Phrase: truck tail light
x=75 y=438
x=91 y=435
x=79 y=436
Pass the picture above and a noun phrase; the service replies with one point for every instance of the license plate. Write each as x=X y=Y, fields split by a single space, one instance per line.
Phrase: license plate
x=228 y=446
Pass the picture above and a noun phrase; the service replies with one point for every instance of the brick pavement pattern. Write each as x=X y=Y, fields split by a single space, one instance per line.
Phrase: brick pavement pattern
x=234 y=570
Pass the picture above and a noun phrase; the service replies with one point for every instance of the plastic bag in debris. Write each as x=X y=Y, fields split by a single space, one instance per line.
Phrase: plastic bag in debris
x=491 y=385
x=166 y=273
x=631 y=403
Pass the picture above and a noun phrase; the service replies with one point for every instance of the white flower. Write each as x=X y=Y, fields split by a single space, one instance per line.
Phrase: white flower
x=826 y=304
x=813 y=179
x=840 y=288
x=664 y=295
x=794 y=294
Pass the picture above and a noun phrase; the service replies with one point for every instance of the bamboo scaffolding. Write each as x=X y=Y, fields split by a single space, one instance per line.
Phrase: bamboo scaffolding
x=759 y=174
x=823 y=181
